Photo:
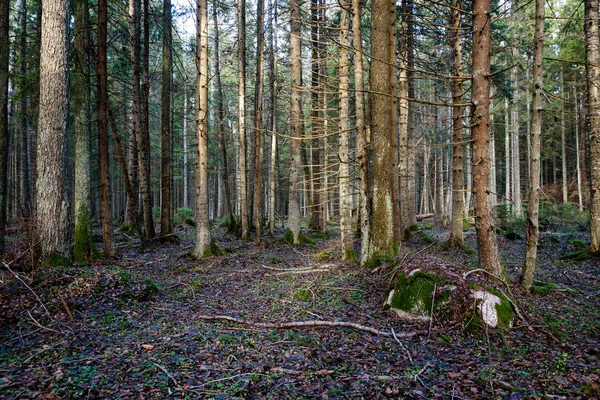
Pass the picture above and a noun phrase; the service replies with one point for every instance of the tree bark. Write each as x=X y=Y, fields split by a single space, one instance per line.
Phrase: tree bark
x=456 y=237
x=532 y=227
x=295 y=123
x=258 y=98
x=563 y=140
x=273 y=89
x=382 y=228
x=101 y=73
x=592 y=45
x=53 y=213
x=242 y=193
x=486 y=234
x=166 y=181
x=516 y=162
x=4 y=57
x=83 y=242
x=344 y=150
x=202 y=246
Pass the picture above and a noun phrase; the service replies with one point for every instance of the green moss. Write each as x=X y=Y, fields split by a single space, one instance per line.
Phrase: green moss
x=150 y=290
x=474 y=323
x=414 y=293
x=576 y=256
x=83 y=248
x=578 y=244
x=381 y=257
x=302 y=294
x=55 y=259
x=542 y=288
x=349 y=255
x=288 y=238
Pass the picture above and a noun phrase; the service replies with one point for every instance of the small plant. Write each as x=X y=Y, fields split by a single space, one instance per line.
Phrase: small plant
x=302 y=294
x=184 y=216
x=579 y=244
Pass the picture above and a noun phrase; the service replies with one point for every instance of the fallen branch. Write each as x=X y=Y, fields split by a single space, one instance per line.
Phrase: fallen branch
x=402 y=346
x=300 y=272
x=301 y=324
x=27 y=286
x=163 y=369
x=300 y=373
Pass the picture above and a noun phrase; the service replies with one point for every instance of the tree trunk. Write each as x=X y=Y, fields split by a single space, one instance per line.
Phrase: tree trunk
x=242 y=193
x=394 y=115
x=563 y=139
x=258 y=98
x=273 y=90
x=101 y=72
x=456 y=227
x=295 y=123
x=24 y=170
x=507 y=160
x=4 y=57
x=202 y=246
x=516 y=162
x=532 y=227
x=486 y=234
x=344 y=150
x=578 y=150
x=84 y=245
x=144 y=136
x=592 y=45
x=184 y=136
x=382 y=240
x=53 y=213
x=166 y=221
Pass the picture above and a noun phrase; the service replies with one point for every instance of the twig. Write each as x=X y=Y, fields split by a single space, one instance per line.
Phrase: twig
x=416 y=376
x=163 y=369
x=308 y=269
x=294 y=372
x=27 y=286
x=300 y=324
x=301 y=272
x=223 y=379
x=402 y=346
x=64 y=303
x=40 y=325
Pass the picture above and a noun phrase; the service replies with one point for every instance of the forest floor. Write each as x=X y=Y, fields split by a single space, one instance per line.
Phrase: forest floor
x=131 y=327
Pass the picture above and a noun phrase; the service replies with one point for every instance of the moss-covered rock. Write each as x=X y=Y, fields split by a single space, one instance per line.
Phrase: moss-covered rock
x=412 y=295
x=492 y=309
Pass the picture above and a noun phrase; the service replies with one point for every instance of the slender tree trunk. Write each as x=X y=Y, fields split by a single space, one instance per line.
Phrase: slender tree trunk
x=202 y=246
x=316 y=216
x=468 y=178
x=532 y=227
x=592 y=44
x=410 y=58
x=220 y=120
x=486 y=234
x=405 y=200
x=242 y=194
x=344 y=149
x=185 y=143
x=144 y=136
x=273 y=90
x=101 y=72
x=166 y=186
x=258 y=97
x=578 y=150
x=84 y=245
x=24 y=167
x=295 y=123
x=493 y=196
x=4 y=56
x=507 y=159
x=563 y=139
x=516 y=162
x=394 y=134
x=382 y=240
x=456 y=227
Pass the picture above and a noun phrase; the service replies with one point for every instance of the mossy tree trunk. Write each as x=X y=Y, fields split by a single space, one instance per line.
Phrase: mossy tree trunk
x=83 y=243
x=258 y=98
x=4 y=57
x=242 y=192
x=166 y=181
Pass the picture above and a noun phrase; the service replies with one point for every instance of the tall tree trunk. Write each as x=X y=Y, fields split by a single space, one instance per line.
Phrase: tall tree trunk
x=493 y=195
x=24 y=167
x=53 y=213
x=456 y=227
x=4 y=56
x=410 y=59
x=84 y=245
x=486 y=234
x=184 y=136
x=242 y=193
x=166 y=182
x=101 y=73
x=295 y=123
x=578 y=150
x=516 y=162
x=344 y=149
x=592 y=45
x=316 y=216
x=382 y=240
x=563 y=139
x=220 y=120
x=273 y=90
x=394 y=134
x=532 y=227
x=144 y=136
x=507 y=159
x=258 y=97
x=202 y=246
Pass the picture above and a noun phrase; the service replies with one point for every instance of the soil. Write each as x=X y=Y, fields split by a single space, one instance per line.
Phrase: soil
x=131 y=327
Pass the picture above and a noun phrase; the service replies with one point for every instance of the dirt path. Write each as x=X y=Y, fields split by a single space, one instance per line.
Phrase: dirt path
x=136 y=331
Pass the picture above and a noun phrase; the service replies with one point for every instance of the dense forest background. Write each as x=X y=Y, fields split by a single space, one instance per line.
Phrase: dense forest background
x=216 y=198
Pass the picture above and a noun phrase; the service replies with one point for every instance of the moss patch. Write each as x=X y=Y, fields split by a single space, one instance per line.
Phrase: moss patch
x=542 y=288
x=288 y=238
x=414 y=293
x=83 y=248
x=505 y=315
